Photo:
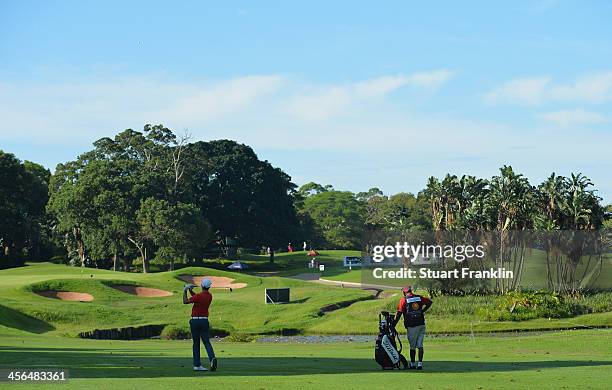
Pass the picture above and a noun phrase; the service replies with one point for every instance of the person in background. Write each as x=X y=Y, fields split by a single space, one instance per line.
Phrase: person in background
x=289 y=248
x=270 y=252
x=304 y=246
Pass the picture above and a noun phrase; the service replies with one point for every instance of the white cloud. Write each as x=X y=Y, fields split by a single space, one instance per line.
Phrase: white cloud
x=74 y=112
x=382 y=85
x=320 y=105
x=325 y=102
x=204 y=104
x=363 y=132
x=431 y=79
x=86 y=110
x=526 y=91
x=379 y=86
x=593 y=88
x=573 y=117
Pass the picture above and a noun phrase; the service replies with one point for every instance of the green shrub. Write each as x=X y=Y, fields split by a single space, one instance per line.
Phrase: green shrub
x=597 y=303
x=520 y=306
x=451 y=306
x=179 y=332
x=175 y=332
x=240 y=338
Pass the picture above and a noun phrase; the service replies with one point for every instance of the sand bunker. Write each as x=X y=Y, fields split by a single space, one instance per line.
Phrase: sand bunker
x=217 y=281
x=66 y=295
x=139 y=291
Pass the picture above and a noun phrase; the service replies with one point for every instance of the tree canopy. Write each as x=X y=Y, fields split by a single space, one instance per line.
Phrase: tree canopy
x=152 y=195
x=23 y=196
x=156 y=195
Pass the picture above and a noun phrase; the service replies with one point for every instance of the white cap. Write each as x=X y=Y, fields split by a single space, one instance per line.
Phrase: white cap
x=206 y=283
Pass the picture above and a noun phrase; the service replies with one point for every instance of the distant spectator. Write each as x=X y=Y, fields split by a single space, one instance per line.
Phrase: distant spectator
x=304 y=247
x=271 y=254
x=289 y=248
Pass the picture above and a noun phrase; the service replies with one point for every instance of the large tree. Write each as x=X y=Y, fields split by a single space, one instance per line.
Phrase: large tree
x=243 y=197
x=95 y=199
x=177 y=230
x=23 y=195
x=399 y=213
x=153 y=194
x=338 y=218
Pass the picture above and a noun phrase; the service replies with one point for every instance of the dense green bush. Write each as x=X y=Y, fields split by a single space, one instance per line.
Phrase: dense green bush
x=179 y=332
x=597 y=303
x=520 y=306
x=175 y=332
x=240 y=338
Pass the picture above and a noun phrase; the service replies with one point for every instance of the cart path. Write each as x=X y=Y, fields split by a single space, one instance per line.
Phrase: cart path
x=362 y=286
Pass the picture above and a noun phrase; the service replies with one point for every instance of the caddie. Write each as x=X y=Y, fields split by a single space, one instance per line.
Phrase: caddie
x=413 y=307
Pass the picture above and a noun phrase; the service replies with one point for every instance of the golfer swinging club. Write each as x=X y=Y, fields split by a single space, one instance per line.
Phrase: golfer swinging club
x=413 y=306
x=199 y=323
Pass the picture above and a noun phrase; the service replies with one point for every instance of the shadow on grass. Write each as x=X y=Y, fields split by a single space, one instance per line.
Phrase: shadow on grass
x=119 y=364
x=15 y=319
x=299 y=300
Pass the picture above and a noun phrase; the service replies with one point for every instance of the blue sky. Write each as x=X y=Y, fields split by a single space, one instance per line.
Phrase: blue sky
x=353 y=94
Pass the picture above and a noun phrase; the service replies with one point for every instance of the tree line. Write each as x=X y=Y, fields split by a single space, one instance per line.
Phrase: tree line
x=154 y=196
x=23 y=220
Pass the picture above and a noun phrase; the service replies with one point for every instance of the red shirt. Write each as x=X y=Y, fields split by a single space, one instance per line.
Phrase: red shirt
x=201 y=303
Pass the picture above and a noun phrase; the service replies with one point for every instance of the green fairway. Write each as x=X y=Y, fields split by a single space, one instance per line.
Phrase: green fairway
x=533 y=275
x=568 y=359
x=294 y=263
x=242 y=311
x=36 y=331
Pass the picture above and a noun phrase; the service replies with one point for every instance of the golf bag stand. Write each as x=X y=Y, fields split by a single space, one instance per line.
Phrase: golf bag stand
x=386 y=352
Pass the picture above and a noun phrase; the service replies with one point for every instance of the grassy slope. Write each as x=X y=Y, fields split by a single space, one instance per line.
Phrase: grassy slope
x=533 y=275
x=569 y=359
x=241 y=311
x=289 y=264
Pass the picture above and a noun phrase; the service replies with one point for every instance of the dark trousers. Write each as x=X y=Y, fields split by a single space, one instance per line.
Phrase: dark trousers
x=199 y=331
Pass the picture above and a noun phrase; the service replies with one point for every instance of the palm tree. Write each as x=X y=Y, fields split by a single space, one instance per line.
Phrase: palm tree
x=579 y=202
x=567 y=207
x=433 y=192
x=511 y=196
x=473 y=214
x=583 y=212
x=552 y=194
x=549 y=218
